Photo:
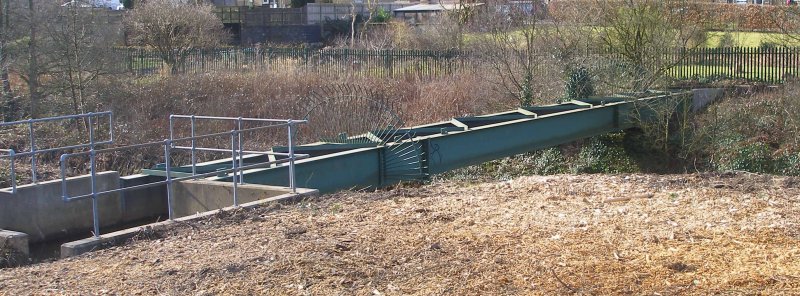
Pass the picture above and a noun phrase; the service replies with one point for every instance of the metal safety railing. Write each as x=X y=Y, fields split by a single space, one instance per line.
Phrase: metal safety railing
x=239 y=121
x=237 y=165
x=93 y=118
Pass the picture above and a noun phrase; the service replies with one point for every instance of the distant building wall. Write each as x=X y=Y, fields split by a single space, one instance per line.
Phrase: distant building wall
x=281 y=34
x=317 y=13
x=239 y=2
x=261 y=24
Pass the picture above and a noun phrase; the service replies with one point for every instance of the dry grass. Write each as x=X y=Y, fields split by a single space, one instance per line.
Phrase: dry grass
x=687 y=234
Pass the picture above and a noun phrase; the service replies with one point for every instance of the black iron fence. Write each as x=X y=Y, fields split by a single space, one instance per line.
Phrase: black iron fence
x=771 y=65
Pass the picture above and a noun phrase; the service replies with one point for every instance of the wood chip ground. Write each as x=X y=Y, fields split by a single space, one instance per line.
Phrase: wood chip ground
x=733 y=234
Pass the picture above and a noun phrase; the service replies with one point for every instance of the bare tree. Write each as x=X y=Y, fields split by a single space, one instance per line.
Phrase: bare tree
x=523 y=51
x=33 y=60
x=8 y=94
x=174 y=29
x=647 y=35
x=787 y=20
x=28 y=49
x=82 y=43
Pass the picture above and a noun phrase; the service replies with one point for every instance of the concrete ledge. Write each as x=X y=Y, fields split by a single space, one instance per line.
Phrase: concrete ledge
x=79 y=247
x=198 y=196
x=13 y=248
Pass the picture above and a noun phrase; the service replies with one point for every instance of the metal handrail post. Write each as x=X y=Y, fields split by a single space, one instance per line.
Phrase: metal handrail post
x=111 y=126
x=13 y=172
x=233 y=157
x=33 y=151
x=91 y=132
x=167 y=147
x=194 y=147
x=291 y=158
x=63 y=160
x=171 y=132
x=95 y=214
x=241 y=159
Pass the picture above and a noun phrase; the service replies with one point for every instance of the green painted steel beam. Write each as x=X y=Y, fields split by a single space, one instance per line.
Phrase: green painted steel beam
x=481 y=144
x=444 y=146
x=163 y=173
x=353 y=169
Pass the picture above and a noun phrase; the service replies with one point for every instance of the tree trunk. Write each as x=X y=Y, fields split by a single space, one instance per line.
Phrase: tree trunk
x=8 y=95
x=352 y=23
x=33 y=62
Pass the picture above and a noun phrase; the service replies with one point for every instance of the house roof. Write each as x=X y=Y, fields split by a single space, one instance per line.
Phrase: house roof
x=433 y=7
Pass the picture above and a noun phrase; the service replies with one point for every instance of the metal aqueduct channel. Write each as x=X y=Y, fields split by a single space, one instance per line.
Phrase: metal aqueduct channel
x=439 y=147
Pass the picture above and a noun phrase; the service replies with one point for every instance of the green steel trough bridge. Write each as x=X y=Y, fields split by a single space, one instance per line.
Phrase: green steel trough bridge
x=415 y=153
x=381 y=157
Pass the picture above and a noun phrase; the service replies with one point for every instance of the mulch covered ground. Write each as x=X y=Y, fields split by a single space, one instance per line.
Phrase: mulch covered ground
x=588 y=234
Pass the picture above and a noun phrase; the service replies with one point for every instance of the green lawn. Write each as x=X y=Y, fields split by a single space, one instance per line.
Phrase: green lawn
x=750 y=39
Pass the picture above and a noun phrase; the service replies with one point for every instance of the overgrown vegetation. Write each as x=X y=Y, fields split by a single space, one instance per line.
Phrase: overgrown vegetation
x=527 y=57
x=757 y=133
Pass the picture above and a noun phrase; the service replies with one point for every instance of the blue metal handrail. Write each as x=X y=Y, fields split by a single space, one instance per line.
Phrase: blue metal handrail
x=169 y=144
x=31 y=135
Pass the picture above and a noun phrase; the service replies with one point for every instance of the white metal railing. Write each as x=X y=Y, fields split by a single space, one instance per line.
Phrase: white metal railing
x=236 y=170
x=92 y=118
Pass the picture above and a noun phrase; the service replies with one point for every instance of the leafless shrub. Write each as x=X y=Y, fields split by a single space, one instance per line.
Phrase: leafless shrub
x=174 y=29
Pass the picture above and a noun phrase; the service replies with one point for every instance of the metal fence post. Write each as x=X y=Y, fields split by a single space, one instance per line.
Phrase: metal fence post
x=233 y=157
x=13 y=172
x=95 y=214
x=171 y=132
x=194 y=148
x=33 y=151
x=91 y=132
x=241 y=148
x=167 y=147
x=111 y=126
x=291 y=158
x=63 y=160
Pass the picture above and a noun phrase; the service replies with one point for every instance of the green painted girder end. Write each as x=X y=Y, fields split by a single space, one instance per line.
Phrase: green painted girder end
x=163 y=173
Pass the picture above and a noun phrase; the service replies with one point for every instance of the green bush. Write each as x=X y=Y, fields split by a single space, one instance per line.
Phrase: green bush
x=579 y=84
x=543 y=162
x=752 y=157
x=787 y=163
x=549 y=162
x=603 y=155
x=381 y=16
x=526 y=95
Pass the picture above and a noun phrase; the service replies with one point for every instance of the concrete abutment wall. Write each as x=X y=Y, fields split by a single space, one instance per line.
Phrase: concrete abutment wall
x=38 y=212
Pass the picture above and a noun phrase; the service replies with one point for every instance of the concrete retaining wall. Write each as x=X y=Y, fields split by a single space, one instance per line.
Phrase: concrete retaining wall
x=143 y=203
x=192 y=197
x=39 y=211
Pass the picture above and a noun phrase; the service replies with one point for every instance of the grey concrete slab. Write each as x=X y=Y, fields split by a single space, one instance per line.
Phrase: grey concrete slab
x=79 y=247
x=197 y=196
